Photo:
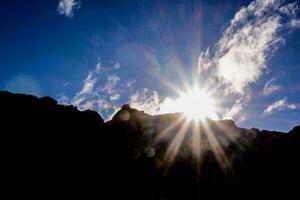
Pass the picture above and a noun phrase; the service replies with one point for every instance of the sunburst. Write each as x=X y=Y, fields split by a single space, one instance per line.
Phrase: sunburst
x=198 y=107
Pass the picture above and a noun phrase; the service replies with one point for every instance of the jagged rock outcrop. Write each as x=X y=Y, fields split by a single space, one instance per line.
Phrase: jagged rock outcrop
x=52 y=148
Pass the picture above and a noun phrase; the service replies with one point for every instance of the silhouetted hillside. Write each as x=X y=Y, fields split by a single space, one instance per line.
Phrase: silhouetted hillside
x=56 y=150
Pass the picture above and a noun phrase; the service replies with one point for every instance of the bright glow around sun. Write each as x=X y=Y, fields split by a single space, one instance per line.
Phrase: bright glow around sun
x=195 y=104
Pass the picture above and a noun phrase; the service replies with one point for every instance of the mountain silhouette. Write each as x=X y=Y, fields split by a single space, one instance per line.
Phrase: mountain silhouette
x=52 y=150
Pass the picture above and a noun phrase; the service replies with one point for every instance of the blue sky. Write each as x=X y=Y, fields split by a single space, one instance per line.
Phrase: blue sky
x=102 y=54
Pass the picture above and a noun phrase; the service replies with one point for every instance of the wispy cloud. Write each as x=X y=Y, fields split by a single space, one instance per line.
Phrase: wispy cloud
x=204 y=61
x=279 y=105
x=270 y=88
x=87 y=97
x=241 y=54
x=112 y=81
x=117 y=65
x=81 y=98
x=290 y=9
x=115 y=97
x=98 y=67
x=129 y=83
x=253 y=35
x=145 y=100
x=66 y=7
x=101 y=91
x=295 y=23
x=230 y=113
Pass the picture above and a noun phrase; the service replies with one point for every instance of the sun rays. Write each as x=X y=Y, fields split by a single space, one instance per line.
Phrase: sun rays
x=195 y=138
x=195 y=129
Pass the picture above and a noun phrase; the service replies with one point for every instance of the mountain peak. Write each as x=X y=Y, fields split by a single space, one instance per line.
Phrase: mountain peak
x=127 y=113
x=151 y=157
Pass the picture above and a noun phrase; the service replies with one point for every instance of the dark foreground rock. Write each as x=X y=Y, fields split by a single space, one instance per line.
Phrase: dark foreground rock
x=51 y=150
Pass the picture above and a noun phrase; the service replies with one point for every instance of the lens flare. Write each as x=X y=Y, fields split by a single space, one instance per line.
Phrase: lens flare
x=195 y=104
x=197 y=130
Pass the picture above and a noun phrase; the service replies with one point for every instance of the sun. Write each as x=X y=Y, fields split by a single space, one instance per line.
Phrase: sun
x=195 y=104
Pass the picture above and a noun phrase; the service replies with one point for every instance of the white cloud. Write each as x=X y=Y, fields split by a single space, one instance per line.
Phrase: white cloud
x=290 y=9
x=130 y=83
x=98 y=67
x=241 y=55
x=115 y=97
x=117 y=65
x=88 y=85
x=66 y=7
x=204 y=61
x=66 y=84
x=247 y=43
x=89 y=96
x=233 y=111
x=236 y=110
x=111 y=84
x=145 y=100
x=63 y=99
x=270 y=88
x=100 y=92
x=279 y=105
x=295 y=23
x=87 y=89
